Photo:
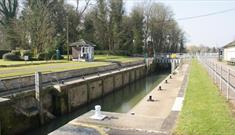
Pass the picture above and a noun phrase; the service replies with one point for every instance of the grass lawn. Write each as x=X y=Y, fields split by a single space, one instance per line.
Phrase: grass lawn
x=205 y=111
x=46 y=68
x=20 y=68
x=4 y=63
x=114 y=58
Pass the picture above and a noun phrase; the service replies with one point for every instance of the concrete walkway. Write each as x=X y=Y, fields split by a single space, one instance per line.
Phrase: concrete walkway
x=164 y=99
x=155 y=117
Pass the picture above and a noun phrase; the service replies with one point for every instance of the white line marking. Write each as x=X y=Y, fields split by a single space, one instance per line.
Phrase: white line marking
x=178 y=104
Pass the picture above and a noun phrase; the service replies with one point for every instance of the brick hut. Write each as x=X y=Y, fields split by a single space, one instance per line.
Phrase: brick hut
x=82 y=50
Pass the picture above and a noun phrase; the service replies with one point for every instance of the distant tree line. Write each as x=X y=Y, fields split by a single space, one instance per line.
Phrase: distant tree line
x=194 y=49
x=41 y=26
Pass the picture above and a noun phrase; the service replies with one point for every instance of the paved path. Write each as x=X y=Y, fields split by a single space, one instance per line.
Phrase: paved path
x=150 y=117
x=164 y=99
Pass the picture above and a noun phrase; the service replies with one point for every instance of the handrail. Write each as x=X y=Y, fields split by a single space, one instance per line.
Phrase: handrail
x=219 y=72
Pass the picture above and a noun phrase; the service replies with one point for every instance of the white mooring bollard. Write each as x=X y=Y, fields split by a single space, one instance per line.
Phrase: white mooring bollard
x=98 y=115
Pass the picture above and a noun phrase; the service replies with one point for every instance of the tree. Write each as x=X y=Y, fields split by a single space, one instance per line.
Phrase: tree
x=137 y=18
x=128 y=44
x=40 y=28
x=8 y=12
x=89 y=29
x=101 y=25
x=73 y=21
x=116 y=14
x=161 y=29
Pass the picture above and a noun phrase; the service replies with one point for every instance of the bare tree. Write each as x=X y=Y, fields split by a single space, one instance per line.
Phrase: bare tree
x=8 y=10
x=81 y=12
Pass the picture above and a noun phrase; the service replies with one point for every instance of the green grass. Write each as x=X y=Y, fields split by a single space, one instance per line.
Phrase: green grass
x=46 y=68
x=20 y=68
x=205 y=111
x=103 y=58
x=114 y=58
x=4 y=63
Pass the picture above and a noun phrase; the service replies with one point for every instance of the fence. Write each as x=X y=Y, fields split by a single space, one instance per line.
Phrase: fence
x=223 y=76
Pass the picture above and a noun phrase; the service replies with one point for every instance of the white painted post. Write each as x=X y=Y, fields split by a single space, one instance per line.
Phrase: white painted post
x=215 y=73
x=220 y=82
x=210 y=67
x=228 y=83
x=172 y=66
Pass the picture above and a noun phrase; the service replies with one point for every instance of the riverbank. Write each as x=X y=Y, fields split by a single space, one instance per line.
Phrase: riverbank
x=205 y=111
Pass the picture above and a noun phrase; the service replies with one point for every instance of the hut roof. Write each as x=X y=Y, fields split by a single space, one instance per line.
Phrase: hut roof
x=81 y=43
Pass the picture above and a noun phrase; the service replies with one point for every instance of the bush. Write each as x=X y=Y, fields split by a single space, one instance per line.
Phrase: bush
x=53 y=57
x=115 y=52
x=43 y=56
x=11 y=57
x=16 y=52
x=26 y=53
x=3 y=52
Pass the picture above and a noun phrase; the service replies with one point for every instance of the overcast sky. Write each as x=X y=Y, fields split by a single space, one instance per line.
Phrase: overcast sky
x=214 y=30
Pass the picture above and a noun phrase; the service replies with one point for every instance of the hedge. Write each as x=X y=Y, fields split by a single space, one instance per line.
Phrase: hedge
x=11 y=57
x=16 y=52
x=115 y=52
x=3 y=52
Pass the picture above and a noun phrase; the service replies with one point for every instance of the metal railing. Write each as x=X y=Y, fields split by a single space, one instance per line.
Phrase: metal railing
x=223 y=76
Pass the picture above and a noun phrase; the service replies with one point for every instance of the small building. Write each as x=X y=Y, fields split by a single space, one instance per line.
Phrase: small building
x=229 y=52
x=82 y=50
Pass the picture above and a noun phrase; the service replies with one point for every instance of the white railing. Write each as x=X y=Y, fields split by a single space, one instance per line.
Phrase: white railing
x=222 y=75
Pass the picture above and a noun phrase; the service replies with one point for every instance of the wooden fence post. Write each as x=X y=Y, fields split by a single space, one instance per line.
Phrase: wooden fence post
x=38 y=95
x=228 y=83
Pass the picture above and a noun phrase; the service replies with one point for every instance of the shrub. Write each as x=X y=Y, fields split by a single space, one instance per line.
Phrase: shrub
x=43 y=56
x=26 y=53
x=11 y=56
x=115 y=52
x=53 y=57
x=3 y=52
x=16 y=52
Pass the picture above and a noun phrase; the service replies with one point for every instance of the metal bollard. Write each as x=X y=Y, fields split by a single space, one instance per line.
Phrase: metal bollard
x=166 y=81
x=62 y=81
x=150 y=98
x=159 y=88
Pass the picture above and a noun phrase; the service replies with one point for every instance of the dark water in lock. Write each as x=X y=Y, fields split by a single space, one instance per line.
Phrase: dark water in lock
x=121 y=101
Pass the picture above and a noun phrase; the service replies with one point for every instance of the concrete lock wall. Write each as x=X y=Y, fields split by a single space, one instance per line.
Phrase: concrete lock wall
x=64 y=99
x=27 y=81
x=80 y=93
